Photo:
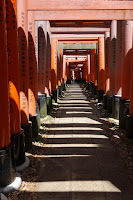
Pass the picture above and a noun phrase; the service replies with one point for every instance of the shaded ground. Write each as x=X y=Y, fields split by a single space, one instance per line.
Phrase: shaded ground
x=73 y=157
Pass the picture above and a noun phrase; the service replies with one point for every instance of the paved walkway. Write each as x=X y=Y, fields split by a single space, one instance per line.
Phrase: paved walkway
x=81 y=163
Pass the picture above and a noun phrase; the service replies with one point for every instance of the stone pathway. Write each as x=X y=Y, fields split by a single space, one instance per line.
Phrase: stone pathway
x=81 y=163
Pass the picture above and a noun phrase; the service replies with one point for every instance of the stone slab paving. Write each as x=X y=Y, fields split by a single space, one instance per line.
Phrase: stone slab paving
x=81 y=162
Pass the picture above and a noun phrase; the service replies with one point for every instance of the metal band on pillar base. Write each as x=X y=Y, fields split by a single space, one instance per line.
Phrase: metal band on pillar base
x=35 y=125
x=129 y=126
x=49 y=104
x=115 y=106
x=54 y=97
x=18 y=142
x=123 y=112
x=109 y=104
x=42 y=102
x=28 y=135
x=100 y=95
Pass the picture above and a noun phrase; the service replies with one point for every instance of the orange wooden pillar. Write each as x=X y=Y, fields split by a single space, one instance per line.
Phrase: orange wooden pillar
x=64 y=72
x=118 y=71
x=111 y=98
x=54 y=68
x=7 y=165
x=126 y=73
x=60 y=72
x=17 y=134
x=24 y=72
x=88 y=74
x=101 y=69
x=48 y=69
x=42 y=95
x=107 y=64
x=33 y=77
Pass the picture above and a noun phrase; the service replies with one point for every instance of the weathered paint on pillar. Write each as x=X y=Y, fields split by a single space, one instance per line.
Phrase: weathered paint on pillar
x=4 y=102
x=85 y=71
x=23 y=60
x=126 y=58
x=42 y=36
x=32 y=66
x=48 y=62
x=101 y=64
x=13 y=66
x=107 y=61
x=113 y=37
x=88 y=63
x=54 y=64
x=118 y=65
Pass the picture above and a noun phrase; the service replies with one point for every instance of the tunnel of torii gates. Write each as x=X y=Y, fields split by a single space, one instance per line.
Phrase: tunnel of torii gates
x=43 y=45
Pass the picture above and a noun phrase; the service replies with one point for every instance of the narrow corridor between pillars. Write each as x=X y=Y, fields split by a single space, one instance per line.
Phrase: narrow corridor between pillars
x=80 y=163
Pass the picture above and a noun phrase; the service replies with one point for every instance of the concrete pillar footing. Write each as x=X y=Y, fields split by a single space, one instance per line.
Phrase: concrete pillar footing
x=24 y=165
x=42 y=102
x=13 y=186
x=115 y=106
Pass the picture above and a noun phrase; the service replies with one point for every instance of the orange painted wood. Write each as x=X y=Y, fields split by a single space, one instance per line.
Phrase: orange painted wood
x=113 y=38
x=61 y=68
x=13 y=66
x=54 y=64
x=78 y=30
x=118 y=66
x=64 y=79
x=42 y=37
x=101 y=64
x=88 y=65
x=107 y=62
x=32 y=67
x=79 y=5
x=4 y=88
x=126 y=58
x=85 y=14
x=48 y=62
x=131 y=82
x=23 y=61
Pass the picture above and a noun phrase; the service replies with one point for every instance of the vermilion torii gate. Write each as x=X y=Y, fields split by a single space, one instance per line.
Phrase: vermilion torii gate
x=37 y=71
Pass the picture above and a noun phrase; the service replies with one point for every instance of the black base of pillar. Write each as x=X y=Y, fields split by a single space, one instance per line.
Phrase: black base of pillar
x=54 y=96
x=92 y=87
x=18 y=142
x=28 y=135
x=105 y=96
x=100 y=95
x=42 y=102
x=60 y=89
x=49 y=104
x=95 y=89
x=7 y=166
x=129 y=126
x=35 y=125
x=64 y=85
x=123 y=112
x=109 y=104
x=115 y=106
x=88 y=86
